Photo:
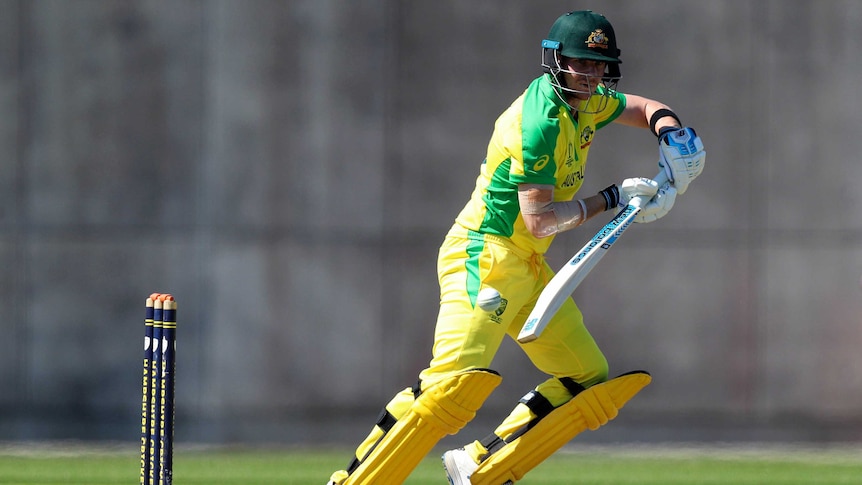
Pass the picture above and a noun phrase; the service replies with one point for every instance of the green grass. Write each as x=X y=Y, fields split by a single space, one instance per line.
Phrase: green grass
x=86 y=465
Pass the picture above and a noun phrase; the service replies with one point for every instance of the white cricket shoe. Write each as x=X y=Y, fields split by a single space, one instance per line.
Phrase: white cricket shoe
x=459 y=466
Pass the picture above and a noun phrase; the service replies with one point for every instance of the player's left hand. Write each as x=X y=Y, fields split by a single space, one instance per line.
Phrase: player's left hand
x=661 y=199
x=681 y=155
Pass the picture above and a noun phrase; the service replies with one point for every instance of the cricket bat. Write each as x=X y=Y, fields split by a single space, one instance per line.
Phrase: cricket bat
x=563 y=284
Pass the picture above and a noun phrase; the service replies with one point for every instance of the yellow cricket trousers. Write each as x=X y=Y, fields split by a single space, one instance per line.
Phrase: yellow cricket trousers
x=467 y=337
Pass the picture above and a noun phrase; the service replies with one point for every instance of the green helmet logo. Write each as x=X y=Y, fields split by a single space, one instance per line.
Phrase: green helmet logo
x=584 y=34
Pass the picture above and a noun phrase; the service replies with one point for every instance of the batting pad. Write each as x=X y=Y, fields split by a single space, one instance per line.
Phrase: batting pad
x=590 y=409
x=442 y=409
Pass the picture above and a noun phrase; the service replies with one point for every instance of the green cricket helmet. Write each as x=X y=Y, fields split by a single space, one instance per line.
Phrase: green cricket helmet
x=582 y=34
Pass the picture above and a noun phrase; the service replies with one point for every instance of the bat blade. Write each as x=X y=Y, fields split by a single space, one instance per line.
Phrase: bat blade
x=573 y=273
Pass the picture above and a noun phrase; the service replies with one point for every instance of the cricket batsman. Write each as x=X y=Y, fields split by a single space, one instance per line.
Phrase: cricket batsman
x=526 y=193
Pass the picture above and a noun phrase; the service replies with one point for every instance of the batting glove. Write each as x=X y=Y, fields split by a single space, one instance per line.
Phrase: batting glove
x=681 y=155
x=661 y=199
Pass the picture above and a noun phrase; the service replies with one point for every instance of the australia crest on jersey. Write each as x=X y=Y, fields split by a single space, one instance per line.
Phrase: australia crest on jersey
x=587 y=136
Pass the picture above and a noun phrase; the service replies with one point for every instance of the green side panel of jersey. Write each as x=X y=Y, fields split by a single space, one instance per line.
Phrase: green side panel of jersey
x=501 y=202
x=539 y=134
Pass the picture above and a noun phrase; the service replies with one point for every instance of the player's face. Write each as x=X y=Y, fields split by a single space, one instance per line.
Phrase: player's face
x=583 y=76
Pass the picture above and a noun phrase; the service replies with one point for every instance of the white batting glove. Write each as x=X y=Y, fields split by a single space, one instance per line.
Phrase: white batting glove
x=660 y=202
x=681 y=155
x=659 y=205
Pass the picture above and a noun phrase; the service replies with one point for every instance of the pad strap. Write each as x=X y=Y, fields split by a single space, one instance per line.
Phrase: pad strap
x=385 y=421
x=492 y=443
x=572 y=385
x=537 y=404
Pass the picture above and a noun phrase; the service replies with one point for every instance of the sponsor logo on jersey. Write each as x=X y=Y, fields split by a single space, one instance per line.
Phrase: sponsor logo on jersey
x=541 y=163
x=572 y=179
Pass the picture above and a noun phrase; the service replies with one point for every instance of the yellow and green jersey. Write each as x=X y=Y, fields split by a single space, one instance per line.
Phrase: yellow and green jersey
x=537 y=140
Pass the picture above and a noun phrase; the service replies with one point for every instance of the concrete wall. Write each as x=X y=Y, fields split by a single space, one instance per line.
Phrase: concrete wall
x=287 y=169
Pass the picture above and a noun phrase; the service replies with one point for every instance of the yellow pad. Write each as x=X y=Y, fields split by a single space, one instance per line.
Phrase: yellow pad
x=442 y=409
x=590 y=409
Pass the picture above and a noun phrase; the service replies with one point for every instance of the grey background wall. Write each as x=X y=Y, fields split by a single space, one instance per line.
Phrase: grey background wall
x=287 y=169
